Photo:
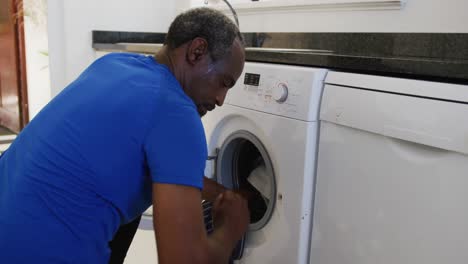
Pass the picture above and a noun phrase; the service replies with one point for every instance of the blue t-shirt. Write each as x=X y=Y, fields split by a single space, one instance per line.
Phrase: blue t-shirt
x=86 y=163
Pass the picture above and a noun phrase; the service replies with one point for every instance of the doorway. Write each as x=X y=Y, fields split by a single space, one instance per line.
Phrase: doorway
x=13 y=90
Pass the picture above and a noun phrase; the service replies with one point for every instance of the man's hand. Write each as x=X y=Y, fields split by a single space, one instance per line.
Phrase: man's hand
x=231 y=214
x=212 y=189
x=180 y=232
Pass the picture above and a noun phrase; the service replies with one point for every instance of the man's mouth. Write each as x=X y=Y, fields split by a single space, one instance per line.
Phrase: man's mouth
x=203 y=109
x=209 y=107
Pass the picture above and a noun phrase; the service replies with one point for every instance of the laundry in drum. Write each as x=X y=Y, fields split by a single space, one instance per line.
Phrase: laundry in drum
x=255 y=180
x=260 y=180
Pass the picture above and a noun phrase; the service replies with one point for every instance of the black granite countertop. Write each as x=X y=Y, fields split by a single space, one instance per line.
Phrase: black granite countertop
x=428 y=56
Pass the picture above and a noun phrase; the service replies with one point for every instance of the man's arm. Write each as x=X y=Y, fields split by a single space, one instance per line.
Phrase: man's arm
x=180 y=232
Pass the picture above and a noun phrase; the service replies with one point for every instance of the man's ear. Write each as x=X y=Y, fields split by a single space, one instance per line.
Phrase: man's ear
x=197 y=49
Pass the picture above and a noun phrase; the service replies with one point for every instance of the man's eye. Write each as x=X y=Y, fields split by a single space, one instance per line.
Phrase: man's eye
x=228 y=83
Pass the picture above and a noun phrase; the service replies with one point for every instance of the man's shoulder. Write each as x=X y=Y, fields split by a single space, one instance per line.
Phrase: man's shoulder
x=130 y=70
x=120 y=56
x=126 y=63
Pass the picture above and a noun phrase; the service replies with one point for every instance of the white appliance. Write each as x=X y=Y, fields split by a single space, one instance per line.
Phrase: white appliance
x=392 y=174
x=270 y=120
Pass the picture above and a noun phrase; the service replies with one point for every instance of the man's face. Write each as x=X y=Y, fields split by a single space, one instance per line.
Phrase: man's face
x=212 y=80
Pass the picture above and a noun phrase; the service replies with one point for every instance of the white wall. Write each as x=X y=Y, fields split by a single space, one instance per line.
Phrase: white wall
x=416 y=16
x=37 y=61
x=71 y=23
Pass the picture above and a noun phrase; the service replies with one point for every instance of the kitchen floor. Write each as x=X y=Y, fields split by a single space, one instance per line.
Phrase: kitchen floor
x=142 y=249
x=6 y=137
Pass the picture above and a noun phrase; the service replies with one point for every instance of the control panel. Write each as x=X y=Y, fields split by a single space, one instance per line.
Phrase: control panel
x=285 y=90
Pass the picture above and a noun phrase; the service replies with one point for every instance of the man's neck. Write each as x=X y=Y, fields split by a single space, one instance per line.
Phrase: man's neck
x=170 y=58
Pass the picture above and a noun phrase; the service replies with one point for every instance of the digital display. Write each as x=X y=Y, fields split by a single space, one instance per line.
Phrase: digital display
x=252 y=79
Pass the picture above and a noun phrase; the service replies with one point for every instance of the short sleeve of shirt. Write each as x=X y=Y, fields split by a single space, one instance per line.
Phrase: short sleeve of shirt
x=176 y=147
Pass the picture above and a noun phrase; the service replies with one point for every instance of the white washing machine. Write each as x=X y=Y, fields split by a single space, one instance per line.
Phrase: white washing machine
x=268 y=126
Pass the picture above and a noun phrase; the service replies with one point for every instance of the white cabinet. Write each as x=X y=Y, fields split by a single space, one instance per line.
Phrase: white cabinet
x=392 y=173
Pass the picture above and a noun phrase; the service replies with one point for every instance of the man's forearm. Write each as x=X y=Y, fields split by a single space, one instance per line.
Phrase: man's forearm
x=211 y=189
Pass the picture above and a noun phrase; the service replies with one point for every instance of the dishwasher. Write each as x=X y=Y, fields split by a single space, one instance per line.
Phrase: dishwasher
x=392 y=174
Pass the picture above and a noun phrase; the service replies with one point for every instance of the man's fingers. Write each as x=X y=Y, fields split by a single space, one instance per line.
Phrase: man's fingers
x=229 y=195
x=218 y=200
x=227 y=198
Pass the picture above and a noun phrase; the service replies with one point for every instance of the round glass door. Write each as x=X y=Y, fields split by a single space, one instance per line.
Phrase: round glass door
x=244 y=164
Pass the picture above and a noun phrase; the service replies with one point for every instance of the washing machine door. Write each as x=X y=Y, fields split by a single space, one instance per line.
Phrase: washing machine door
x=274 y=157
x=243 y=163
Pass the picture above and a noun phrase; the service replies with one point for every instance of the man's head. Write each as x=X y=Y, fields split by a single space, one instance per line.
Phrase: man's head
x=207 y=53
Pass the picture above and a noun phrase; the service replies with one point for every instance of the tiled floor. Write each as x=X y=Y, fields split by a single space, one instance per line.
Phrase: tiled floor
x=143 y=248
x=4 y=131
x=6 y=137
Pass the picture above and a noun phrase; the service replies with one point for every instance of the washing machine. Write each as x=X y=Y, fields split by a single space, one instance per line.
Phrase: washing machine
x=264 y=138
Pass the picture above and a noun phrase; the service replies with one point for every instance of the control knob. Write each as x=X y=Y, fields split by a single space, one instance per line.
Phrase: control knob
x=280 y=92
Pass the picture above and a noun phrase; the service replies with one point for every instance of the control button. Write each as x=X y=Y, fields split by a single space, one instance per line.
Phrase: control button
x=280 y=93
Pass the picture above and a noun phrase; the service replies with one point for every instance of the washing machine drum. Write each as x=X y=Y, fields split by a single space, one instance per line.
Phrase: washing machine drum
x=244 y=164
x=259 y=186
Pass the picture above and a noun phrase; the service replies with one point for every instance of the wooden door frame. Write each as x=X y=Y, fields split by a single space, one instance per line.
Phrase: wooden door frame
x=17 y=14
x=21 y=51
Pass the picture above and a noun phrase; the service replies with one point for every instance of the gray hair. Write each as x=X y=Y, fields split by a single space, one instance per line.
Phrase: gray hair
x=212 y=25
